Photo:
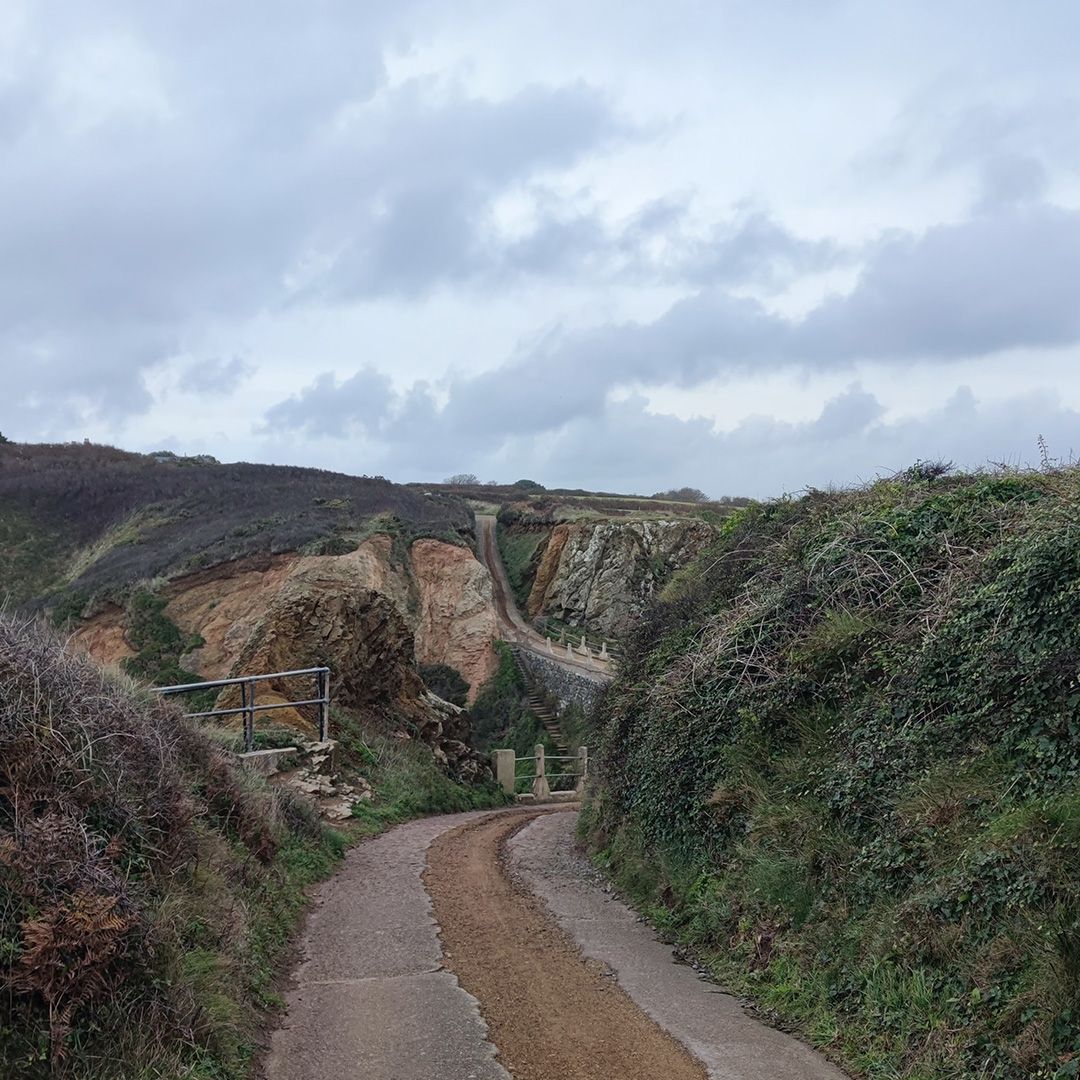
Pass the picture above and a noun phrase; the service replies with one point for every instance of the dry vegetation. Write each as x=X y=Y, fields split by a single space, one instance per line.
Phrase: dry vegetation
x=146 y=885
x=89 y=519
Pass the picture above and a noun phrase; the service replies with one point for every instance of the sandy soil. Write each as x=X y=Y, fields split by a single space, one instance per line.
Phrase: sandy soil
x=550 y=1012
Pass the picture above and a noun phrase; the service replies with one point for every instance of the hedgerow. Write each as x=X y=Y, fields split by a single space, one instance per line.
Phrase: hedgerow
x=842 y=761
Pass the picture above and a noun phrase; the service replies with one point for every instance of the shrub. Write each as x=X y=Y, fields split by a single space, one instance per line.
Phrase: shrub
x=146 y=886
x=846 y=742
x=446 y=682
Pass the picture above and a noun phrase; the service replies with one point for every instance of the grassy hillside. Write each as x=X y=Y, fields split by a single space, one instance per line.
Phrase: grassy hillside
x=842 y=764
x=147 y=888
x=86 y=519
x=518 y=551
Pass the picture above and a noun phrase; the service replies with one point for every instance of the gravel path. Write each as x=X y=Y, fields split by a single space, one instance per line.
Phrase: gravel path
x=550 y=1014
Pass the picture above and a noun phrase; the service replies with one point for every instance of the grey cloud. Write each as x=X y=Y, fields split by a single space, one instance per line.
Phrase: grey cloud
x=215 y=375
x=129 y=239
x=983 y=286
x=992 y=283
x=627 y=448
x=756 y=249
x=330 y=408
x=1009 y=149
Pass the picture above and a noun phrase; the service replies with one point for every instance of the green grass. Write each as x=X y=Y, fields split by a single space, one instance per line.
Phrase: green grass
x=842 y=766
x=517 y=549
x=407 y=780
x=31 y=556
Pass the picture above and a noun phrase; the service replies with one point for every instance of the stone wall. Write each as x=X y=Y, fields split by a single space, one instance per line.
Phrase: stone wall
x=568 y=686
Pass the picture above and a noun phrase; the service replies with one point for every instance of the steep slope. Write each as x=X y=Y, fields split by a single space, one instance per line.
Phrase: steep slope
x=146 y=886
x=842 y=763
x=85 y=519
x=596 y=574
x=602 y=575
x=92 y=533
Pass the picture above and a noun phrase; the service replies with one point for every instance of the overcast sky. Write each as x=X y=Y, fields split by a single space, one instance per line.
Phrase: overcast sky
x=749 y=245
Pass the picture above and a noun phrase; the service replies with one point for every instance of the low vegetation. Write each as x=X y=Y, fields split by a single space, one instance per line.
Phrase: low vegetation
x=147 y=887
x=446 y=682
x=87 y=520
x=406 y=778
x=501 y=715
x=518 y=550
x=842 y=766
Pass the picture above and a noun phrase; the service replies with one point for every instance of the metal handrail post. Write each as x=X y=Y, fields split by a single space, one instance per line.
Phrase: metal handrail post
x=324 y=706
x=247 y=699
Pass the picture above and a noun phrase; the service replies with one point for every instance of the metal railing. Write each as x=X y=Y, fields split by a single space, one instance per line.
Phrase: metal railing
x=249 y=707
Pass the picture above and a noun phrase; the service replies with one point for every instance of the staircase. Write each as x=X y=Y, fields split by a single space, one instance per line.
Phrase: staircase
x=539 y=707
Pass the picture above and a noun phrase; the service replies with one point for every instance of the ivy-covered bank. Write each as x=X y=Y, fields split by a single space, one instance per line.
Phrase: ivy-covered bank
x=842 y=764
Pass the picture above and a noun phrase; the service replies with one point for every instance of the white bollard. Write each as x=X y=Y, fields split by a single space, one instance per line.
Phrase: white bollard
x=570 y=649
x=604 y=652
x=582 y=768
x=504 y=763
x=540 y=787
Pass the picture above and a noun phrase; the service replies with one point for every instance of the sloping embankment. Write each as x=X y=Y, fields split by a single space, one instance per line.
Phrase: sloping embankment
x=843 y=764
x=146 y=886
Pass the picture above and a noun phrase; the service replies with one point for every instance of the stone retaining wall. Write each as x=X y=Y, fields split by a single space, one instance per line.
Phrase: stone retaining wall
x=566 y=685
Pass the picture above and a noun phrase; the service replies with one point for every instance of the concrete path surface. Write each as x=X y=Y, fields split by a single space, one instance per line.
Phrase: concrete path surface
x=371 y=1000
x=373 y=996
x=712 y=1025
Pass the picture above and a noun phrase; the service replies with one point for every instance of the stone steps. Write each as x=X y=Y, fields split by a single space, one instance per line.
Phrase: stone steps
x=539 y=706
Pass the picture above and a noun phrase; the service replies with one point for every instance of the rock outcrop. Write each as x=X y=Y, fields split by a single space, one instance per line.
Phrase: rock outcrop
x=443 y=594
x=601 y=575
x=456 y=625
x=369 y=615
x=319 y=618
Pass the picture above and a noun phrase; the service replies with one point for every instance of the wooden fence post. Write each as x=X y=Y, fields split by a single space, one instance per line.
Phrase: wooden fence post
x=505 y=765
x=582 y=768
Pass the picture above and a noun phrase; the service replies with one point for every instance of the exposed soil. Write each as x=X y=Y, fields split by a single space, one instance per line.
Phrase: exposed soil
x=550 y=1012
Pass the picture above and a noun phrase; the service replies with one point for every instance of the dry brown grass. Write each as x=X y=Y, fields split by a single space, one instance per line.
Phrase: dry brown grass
x=126 y=841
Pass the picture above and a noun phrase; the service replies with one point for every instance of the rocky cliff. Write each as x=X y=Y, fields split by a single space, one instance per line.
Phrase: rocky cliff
x=440 y=591
x=321 y=616
x=370 y=615
x=601 y=575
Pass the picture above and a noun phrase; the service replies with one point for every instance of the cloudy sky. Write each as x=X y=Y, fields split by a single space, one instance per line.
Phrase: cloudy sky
x=748 y=245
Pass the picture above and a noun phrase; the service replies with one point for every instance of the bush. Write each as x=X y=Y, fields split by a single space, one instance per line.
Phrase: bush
x=847 y=744
x=446 y=682
x=146 y=886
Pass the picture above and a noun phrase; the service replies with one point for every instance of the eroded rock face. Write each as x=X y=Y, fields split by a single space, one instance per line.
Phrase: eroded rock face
x=103 y=636
x=444 y=595
x=601 y=575
x=457 y=611
x=320 y=618
x=356 y=613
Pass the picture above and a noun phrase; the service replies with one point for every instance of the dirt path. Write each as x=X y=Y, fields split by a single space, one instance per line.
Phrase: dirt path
x=549 y=1012
x=512 y=626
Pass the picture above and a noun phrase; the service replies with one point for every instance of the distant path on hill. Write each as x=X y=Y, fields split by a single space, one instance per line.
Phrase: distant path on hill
x=482 y=947
x=512 y=627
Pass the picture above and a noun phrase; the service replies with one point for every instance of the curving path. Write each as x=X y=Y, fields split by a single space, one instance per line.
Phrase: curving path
x=480 y=947
x=512 y=627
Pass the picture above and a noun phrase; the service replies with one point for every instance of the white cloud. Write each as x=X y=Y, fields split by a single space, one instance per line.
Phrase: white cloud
x=611 y=242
